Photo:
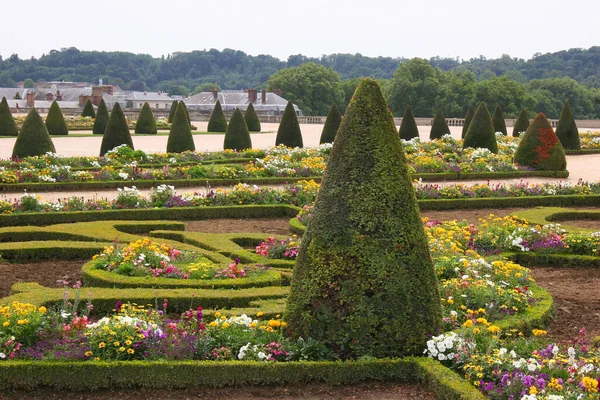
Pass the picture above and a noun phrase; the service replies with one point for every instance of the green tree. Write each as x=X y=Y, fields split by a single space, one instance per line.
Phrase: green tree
x=468 y=119
x=408 y=126
x=172 y=111
x=117 y=131
x=180 y=135
x=332 y=123
x=498 y=121
x=101 y=118
x=288 y=133
x=206 y=87
x=567 y=130
x=17 y=96
x=521 y=124
x=55 y=121
x=540 y=148
x=217 y=121
x=439 y=127
x=8 y=126
x=509 y=94
x=416 y=83
x=481 y=133
x=252 y=120
x=364 y=281
x=34 y=139
x=237 y=136
x=28 y=83
x=88 y=110
x=146 y=123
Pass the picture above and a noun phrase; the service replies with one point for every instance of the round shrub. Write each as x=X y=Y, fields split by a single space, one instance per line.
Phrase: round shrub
x=146 y=123
x=540 y=148
x=8 y=126
x=439 y=127
x=468 y=119
x=252 y=120
x=55 y=121
x=332 y=124
x=117 y=131
x=521 y=124
x=88 y=110
x=498 y=121
x=567 y=130
x=217 y=121
x=180 y=135
x=237 y=136
x=33 y=140
x=408 y=126
x=288 y=133
x=481 y=131
x=101 y=119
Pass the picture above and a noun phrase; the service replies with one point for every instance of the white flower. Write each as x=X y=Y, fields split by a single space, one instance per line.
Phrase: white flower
x=502 y=351
x=262 y=356
x=532 y=365
x=2 y=356
x=555 y=350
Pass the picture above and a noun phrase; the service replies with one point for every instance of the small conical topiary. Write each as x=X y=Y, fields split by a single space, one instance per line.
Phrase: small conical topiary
x=34 y=139
x=481 y=131
x=117 y=131
x=8 y=126
x=88 y=110
x=146 y=124
x=217 y=121
x=332 y=123
x=180 y=135
x=521 y=124
x=252 y=120
x=408 y=126
x=55 y=121
x=364 y=281
x=468 y=119
x=172 y=111
x=567 y=130
x=187 y=113
x=540 y=148
x=498 y=121
x=439 y=127
x=237 y=136
x=288 y=133
x=101 y=119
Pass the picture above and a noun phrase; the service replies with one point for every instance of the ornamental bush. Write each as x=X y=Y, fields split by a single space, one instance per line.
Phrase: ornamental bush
x=408 y=126
x=540 y=148
x=55 y=121
x=34 y=139
x=172 y=111
x=237 y=136
x=101 y=119
x=468 y=119
x=439 y=127
x=364 y=281
x=481 y=131
x=252 y=120
x=146 y=123
x=332 y=124
x=117 y=131
x=217 y=121
x=521 y=124
x=88 y=110
x=8 y=126
x=567 y=130
x=180 y=136
x=187 y=113
x=289 y=133
x=498 y=121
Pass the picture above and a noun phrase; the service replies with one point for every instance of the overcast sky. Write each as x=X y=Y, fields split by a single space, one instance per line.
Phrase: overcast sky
x=417 y=28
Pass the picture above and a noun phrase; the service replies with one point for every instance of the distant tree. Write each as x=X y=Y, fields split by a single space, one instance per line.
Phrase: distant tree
x=481 y=131
x=117 y=131
x=567 y=130
x=498 y=121
x=416 y=83
x=439 y=127
x=8 y=126
x=33 y=140
x=180 y=136
x=172 y=111
x=101 y=118
x=28 y=83
x=408 y=126
x=137 y=86
x=332 y=124
x=146 y=123
x=289 y=133
x=17 y=96
x=237 y=136
x=206 y=87
x=521 y=124
x=468 y=119
x=88 y=110
x=252 y=120
x=217 y=121
x=178 y=90
x=55 y=121
x=540 y=148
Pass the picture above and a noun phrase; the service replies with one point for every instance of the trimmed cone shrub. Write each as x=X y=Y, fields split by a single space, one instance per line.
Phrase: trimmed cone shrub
x=481 y=131
x=566 y=130
x=88 y=110
x=332 y=124
x=521 y=124
x=439 y=127
x=217 y=121
x=498 y=121
x=408 y=126
x=55 y=121
x=288 y=133
x=237 y=136
x=117 y=131
x=364 y=281
x=146 y=122
x=8 y=126
x=252 y=120
x=34 y=139
x=540 y=148
x=172 y=111
x=187 y=113
x=468 y=119
x=101 y=119
x=180 y=135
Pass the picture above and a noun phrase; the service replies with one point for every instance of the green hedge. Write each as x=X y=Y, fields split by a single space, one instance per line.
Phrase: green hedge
x=581 y=152
x=556 y=260
x=506 y=202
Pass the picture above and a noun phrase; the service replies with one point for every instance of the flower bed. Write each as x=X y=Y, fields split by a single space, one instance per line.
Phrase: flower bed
x=79 y=123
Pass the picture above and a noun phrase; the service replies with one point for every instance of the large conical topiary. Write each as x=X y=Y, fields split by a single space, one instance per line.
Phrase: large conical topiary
x=332 y=123
x=180 y=136
x=187 y=113
x=498 y=121
x=540 y=148
x=8 y=126
x=172 y=111
x=88 y=110
x=468 y=119
x=146 y=123
x=439 y=127
x=101 y=119
x=521 y=124
x=289 y=133
x=55 y=121
x=408 y=126
x=217 y=121
x=364 y=281
x=567 y=130
x=33 y=140
x=117 y=131
x=237 y=136
x=252 y=120
x=481 y=131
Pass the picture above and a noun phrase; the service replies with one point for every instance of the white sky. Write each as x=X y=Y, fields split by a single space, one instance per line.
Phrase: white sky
x=417 y=28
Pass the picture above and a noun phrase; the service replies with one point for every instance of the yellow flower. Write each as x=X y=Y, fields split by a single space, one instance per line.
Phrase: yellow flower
x=260 y=314
x=213 y=324
x=102 y=345
x=274 y=323
x=468 y=323
x=450 y=300
x=42 y=309
x=121 y=349
x=130 y=351
x=116 y=344
x=476 y=330
x=88 y=353
x=539 y=332
x=533 y=390
x=225 y=325
x=6 y=323
x=22 y=321
x=128 y=343
x=493 y=329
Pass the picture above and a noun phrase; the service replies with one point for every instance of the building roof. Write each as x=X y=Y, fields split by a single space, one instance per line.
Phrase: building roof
x=9 y=93
x=144 y=96
x=231 y=100
x=43 y=104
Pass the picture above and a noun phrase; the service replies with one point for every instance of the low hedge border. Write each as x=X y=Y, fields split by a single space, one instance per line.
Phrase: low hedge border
x=537 y=316
x=581 y=152
x=233 y=161
x=546 y=215
x=556 y=260
x=506 y=202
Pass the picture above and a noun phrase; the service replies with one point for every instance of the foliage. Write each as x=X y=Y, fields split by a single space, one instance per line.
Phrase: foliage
x=187 y=113
x=88 y=110
x=8 y=126
x=332 y=124
x=408 y=126
x=146 y=122
x=288 y=133
x=28 y=83
x=439 y=127
x=539 y=148
x=172 y=111
x=237 y=136
x=566 y=130
x=101 y=119
x=34 y=139
x=468 y=119
x=279 y=248
x=481 y=133
x=55 y=121
x=217 y=121
x=252 y=120
x=521 y=124
x=180 y=135
x=117 y=131
x=498 y=121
